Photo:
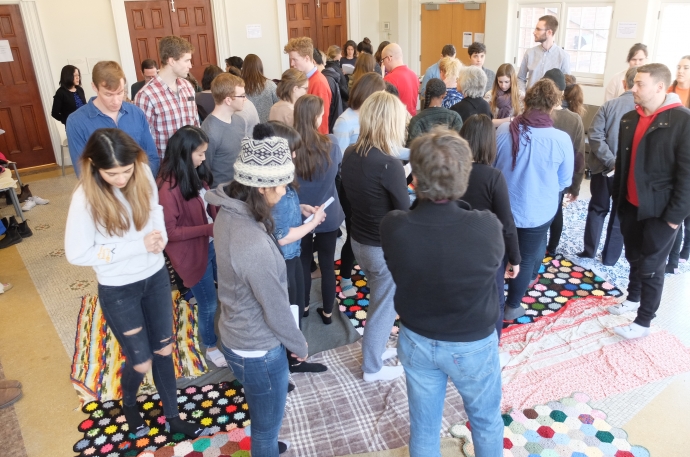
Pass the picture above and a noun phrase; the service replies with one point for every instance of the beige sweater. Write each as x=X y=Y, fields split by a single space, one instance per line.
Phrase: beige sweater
x=284 y=112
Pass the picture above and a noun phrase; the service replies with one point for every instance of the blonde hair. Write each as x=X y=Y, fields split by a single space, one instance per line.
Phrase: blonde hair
x=107 y=149
x=333 y=51
x=302 y=46
x=451 y=67
x=223 y=86
x=382 y=123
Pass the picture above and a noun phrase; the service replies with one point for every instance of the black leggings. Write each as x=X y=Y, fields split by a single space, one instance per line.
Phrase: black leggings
x=556 y=229
x=324 y=244
x=347 y=257
x=295 y=280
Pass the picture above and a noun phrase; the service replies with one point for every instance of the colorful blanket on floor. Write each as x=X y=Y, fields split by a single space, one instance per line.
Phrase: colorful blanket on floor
x=564 y=428
x=576 y=350
x=219 y=407
x=98 y=361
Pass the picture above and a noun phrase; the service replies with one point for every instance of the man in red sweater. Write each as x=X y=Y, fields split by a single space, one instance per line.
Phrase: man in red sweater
x=301 y=52
x=651 y=189
x=404 y=79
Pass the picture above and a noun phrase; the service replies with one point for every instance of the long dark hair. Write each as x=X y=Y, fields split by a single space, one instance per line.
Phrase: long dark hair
x=480 y=134
x=574 y=96
x=67 y=76
x=292 y=136
x=314 y=157
x=255 y=201
x=178 y=168
x=253 y=75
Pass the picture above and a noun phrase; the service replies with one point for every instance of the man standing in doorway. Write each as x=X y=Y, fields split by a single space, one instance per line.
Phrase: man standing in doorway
x=404 y=79
x=651 y=189
x=542 y=58
x=109 y=110
x=149 y=68
x=169 y=99
x=301 y=52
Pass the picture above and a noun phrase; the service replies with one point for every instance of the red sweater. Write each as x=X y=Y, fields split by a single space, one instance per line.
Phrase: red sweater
x=407 y=83
x=188 y=232
x=642 y=125
x=318 y=85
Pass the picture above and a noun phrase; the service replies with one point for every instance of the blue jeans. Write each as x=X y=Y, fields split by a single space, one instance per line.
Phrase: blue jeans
x=207 y=300
x=532 y=244
x=265 y=382
x=474 y=370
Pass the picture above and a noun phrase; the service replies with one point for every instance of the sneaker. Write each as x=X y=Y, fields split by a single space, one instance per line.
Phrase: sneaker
x=39 y=200
x=584 y=255
x=389 y=353
x=513 y=313
x=632 y=331
x=283 y=446
x=623 y=308
x=28 y=204
x=4 y=287
x=384 y=374
x=217 y=358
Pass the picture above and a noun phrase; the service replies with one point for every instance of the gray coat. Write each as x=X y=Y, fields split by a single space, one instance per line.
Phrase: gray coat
x=603 y=133
x=252 y=282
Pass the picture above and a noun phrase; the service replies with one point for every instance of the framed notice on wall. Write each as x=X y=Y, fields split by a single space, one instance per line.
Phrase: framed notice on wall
x=6 y=51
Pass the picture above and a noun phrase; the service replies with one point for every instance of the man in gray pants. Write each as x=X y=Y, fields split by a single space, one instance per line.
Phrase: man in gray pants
x=603 y=143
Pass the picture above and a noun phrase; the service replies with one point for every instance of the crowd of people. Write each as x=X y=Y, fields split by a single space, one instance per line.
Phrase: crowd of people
x=239 y=182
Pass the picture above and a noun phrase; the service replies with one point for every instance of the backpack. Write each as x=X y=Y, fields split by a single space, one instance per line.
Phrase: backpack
x=336 y=108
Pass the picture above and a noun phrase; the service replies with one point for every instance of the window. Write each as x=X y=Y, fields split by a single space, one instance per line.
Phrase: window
x=583 y=31
x=673 y=35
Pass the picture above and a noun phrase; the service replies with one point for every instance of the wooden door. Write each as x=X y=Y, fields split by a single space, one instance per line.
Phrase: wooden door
x=193 y=21
x=332 y=23
x=446 y=26
x=301 y=19
x=26 y=139
x=149 y=21
x=324 y=21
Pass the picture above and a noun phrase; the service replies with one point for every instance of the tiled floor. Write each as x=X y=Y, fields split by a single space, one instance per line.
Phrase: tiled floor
x=654 y=415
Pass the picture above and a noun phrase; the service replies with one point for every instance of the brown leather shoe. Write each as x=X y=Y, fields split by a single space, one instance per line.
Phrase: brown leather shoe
x=9 y=396
x=10 y=383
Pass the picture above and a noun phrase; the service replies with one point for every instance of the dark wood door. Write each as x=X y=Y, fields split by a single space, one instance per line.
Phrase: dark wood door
x=26 y=139
x=332 y=23
x=149 y=21
x=325 y=22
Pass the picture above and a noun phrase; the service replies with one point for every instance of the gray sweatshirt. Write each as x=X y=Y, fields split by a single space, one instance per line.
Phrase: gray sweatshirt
x=603 y=133
x=252 y=282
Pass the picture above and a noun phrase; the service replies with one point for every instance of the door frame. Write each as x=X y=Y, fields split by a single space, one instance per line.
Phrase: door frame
x=41 y=63
x=124 y=44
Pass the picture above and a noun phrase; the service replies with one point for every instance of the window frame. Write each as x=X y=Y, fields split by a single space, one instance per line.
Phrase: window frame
x=583 y=78
x=656 y=55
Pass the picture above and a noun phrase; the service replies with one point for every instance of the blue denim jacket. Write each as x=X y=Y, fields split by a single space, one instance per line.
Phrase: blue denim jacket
x=287 y=214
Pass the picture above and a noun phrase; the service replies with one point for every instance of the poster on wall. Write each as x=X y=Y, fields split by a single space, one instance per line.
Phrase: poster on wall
x=6 y=51
x=466 y=39
x=254 y=31
x=479 y=37
x=626 y=30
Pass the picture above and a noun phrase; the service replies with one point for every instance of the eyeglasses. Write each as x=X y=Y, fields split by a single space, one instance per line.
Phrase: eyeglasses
x=384 y=59
x=240 y=96
x=539 y=30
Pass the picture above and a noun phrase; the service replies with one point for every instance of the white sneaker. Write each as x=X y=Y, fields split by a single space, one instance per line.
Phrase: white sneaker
x=217 y=358
x=623 y=308
x=39 y=200
x=28 y=204
x=385 y=374
x=389 y=353
x=632 y=331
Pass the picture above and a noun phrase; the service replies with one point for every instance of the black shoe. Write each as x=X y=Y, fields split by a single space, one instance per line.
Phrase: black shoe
x=5 y=222
x=291 y=387
x=673 y=269
x=306 y=367
x=283 y=446
x=326 y=320
x=189 y=429
x=12 y=237
x=685 y=253
x=584 y=255
x=23 y=228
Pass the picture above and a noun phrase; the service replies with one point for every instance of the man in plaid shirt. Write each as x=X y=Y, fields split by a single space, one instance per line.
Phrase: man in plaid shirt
x=168 y=100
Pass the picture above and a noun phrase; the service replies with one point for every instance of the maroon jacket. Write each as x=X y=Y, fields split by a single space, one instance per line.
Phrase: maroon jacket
x=188 y=232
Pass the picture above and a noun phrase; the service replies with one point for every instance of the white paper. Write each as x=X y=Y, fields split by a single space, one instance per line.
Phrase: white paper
x=408 y=169
x=466 y=39
x=254 y=31
x=479 y=37
x=295 y=313
x=6 y=51
x=80 y=63
x=626 y=30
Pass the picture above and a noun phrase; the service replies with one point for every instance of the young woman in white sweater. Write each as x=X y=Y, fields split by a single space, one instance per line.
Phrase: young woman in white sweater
x=115 y=225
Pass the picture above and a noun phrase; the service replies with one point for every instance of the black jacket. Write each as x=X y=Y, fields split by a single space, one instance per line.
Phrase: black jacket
x=136 y=87
x=64 y=104
x=336 y=108
x=342 y=80
x=472 y=105
x=662 y=165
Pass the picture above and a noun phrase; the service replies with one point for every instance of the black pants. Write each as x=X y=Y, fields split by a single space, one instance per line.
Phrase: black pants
x=295 y=279
x=556 y=228
x=599 y=204
x=647 y=244
x=675 y=254
x=324 y=244
x=347 y=257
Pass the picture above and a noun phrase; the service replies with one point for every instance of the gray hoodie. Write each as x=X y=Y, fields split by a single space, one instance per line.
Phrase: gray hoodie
x=603 y=133
x=252 y=282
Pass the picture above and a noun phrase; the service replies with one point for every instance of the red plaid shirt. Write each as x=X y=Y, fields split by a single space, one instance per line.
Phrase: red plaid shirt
x=167 y=111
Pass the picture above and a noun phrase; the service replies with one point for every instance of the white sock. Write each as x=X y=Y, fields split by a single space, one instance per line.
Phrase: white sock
x=385 y=374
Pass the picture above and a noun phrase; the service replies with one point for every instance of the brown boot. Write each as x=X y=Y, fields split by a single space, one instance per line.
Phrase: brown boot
x=9 y=396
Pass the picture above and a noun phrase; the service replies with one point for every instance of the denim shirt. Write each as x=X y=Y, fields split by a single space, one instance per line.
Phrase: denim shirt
x=287 y=214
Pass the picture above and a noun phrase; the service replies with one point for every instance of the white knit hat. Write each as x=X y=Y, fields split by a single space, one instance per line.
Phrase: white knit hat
x=264 y=163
